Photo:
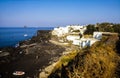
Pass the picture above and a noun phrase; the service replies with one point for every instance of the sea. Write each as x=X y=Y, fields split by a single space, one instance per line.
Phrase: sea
x=11 y=36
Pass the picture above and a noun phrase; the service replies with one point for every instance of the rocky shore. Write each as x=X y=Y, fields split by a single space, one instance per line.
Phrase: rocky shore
x=30 y=57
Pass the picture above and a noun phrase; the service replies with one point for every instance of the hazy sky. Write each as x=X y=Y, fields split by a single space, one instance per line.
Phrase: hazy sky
x=58 y=12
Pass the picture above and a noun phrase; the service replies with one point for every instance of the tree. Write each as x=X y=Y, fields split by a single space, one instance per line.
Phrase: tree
x=116 y=28
x=90 y=29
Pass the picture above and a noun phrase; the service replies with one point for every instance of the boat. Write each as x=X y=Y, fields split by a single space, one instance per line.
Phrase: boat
x=18 y=73
x=25 y=35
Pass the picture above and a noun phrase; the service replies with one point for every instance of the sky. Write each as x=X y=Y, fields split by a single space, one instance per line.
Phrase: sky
x=58 y=12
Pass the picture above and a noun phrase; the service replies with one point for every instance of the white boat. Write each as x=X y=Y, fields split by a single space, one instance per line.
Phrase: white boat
x=18 y=73
x=25 y=35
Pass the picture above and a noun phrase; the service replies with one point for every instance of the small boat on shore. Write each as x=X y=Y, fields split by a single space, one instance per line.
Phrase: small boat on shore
x=18 y=73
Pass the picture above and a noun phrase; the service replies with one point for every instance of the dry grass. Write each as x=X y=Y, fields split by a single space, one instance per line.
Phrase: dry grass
x=98 y=61
x=88 y=36
x=67 y=58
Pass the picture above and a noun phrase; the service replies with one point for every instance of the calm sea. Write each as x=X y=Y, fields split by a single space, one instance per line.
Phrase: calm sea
x=10 y=36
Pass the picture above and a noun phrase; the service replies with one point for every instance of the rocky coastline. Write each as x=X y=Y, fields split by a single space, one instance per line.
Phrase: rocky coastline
x=31 y=56
x=50 y=54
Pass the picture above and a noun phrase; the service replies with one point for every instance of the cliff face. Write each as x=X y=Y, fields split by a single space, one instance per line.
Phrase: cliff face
x=99 y=61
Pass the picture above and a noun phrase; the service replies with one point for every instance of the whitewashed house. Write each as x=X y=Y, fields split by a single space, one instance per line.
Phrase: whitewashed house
x=84 y=42
x=78 y=27
x=76 y=42
x=97 y=35
x=71 y=32
x=60 y=31
x=72 y=37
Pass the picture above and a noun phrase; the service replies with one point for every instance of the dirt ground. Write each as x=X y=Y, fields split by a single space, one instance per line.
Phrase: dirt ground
x=33 y=62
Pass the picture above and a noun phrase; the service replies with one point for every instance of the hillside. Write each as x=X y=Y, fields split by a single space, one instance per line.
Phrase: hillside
x=101 y=60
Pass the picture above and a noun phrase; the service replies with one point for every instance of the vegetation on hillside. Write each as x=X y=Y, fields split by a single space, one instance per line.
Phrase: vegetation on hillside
x=99 y=61
x=103 y=27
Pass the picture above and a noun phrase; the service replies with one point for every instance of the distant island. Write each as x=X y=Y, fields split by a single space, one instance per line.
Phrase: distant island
x=25 y=26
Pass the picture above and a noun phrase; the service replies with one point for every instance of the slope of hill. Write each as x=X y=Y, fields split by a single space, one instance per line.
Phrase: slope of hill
x=102 y=60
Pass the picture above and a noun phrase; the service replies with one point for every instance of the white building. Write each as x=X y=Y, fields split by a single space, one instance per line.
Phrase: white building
x=97 y=35
x=72 y=37
x=61 y=31
x=84 y=42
